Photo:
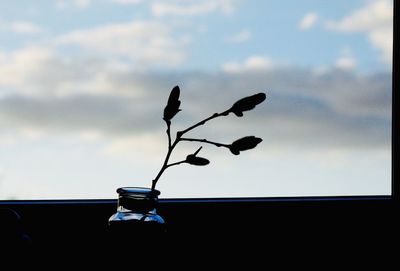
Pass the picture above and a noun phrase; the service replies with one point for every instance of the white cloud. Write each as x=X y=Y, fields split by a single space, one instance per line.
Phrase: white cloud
x=240 y=37
x=21 y=27
x=346 y=60
x=17 y=69
x=383 y=40
x=308 y=21
x=190 y=8
x=25 y=28
x=145 y=43
x=253 y=63
x=376 y=20
x=61 y=4
x=82 y=3
x=42 y=72
x=127 y=2
x=346 y=63
x=375 y=14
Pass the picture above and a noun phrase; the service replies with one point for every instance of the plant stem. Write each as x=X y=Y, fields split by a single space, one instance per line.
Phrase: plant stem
x=196 y=152
x=179 y=138
x=213 y=116
x=169 y=132
x=170 y=148
x=165 y=164
x=176 y=163
x=205 y=141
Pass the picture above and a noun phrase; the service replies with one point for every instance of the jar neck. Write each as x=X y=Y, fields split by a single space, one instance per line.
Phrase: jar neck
x=140 y=200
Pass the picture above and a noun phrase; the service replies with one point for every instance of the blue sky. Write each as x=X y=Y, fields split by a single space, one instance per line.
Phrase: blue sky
x=83 y=84
x=268 y=28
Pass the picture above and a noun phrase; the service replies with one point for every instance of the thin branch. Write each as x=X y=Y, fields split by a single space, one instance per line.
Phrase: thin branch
x=178 y=138
x=196 y=152
x=165 y=164
x=168 y=122
x=215 y=115
x=205 y=141
x=172 y=108
x=176 y=163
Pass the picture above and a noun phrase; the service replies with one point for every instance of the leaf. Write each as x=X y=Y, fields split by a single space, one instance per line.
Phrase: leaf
x=173 y=104
x=245 y=143
x=247 y=103
x=196 y=160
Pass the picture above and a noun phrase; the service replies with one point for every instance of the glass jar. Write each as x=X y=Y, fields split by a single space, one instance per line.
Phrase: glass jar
x=136 y=215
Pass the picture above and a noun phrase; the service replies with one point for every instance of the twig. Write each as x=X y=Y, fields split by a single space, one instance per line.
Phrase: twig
x=215 y=115
x=205 y=141
x=172 y=108
x=176 y=163
x=165 y=164
x=178 y=138
x=169 y=132
x=196 y=152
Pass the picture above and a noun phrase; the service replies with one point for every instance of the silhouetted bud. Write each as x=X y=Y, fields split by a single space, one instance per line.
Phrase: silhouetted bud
x=197 y=161
x=245 y=143
x=173 y=104
x=247 y=103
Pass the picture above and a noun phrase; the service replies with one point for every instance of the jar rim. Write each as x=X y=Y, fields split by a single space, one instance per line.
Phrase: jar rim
x=138 y=190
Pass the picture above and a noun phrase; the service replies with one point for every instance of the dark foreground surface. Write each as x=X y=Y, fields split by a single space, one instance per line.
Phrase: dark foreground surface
x=262 y=231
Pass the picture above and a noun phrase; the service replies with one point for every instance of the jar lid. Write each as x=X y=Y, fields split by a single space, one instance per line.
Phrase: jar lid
x=138 y=190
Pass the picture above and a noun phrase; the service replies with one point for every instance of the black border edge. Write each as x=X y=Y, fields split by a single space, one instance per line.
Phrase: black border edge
x=278 y=200
x=395 y=114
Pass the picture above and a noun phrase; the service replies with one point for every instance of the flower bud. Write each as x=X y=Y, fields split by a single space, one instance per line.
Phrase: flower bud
x=196 y=161
x=245 y=143
x=247 y=103
x=173 y=104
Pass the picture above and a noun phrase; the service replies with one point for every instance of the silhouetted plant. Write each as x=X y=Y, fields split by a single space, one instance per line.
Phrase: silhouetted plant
x=242 y=144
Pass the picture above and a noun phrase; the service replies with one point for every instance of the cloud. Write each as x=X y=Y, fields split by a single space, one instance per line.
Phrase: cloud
x=308 y=21
x=253 y=63
x=43 y=92
x=337 y=109
x=21 y=27
x=191 y=8
x=127 y=2
x=383 y=40
x=77 y=114
x=346 y=63
x=346 y=60
x=375 y=20
x=17 y=69
x=240 y=37
x=376 y=14
x=146 y=43
x=41 y=71
x=61 y=4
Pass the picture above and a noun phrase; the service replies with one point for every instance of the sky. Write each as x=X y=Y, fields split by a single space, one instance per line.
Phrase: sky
x=83 y=85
